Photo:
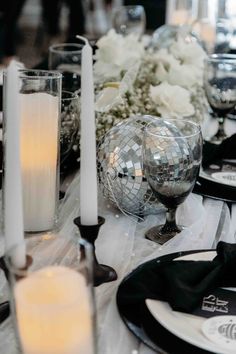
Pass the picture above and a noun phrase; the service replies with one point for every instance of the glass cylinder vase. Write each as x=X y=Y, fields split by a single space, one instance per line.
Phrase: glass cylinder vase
x=39 y=98
x=52 y=300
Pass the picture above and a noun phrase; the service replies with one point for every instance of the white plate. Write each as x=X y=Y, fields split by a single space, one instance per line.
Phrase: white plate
x=227 y=178
x=185 y=326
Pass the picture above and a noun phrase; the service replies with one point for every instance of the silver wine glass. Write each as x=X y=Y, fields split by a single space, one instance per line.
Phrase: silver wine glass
x=172 y=152
x=129 y=19
x=220 y=88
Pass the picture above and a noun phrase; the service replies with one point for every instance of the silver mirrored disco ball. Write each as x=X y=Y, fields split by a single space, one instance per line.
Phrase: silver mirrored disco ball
x=120 y=168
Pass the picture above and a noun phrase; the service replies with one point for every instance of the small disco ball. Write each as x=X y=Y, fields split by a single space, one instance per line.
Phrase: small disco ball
x=120 y=170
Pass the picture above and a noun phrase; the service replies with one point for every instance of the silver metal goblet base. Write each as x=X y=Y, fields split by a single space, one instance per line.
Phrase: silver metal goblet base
x=159 y=235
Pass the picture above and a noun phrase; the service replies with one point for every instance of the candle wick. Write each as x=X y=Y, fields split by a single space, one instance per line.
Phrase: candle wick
x=83 y=39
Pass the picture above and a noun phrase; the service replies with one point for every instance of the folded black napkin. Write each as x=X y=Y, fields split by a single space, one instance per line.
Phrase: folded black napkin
x=213 y=152
x=182 y=283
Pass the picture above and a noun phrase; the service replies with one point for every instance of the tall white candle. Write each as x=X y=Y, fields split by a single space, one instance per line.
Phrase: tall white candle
x=39 y=155
x=54 y=313
x=13 y=217
x=88 y=166
x=180 y=17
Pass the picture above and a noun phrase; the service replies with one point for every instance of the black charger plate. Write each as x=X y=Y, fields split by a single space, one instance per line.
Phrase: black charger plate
x=146 y=328
x=215 y=190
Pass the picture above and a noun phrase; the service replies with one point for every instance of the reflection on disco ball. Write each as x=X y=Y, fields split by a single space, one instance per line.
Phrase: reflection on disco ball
x=169 y=160
x=120 y=168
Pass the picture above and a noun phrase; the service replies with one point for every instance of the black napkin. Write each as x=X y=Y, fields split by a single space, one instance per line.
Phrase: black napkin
x=213 y=152
x=182 y=283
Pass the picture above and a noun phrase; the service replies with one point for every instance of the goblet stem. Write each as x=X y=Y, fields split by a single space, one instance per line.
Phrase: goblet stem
x=170 y=226
x=163 y=233
x=220 y=135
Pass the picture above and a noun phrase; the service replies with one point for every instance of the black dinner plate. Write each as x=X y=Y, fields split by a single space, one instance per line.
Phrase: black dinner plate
x=215 y=190
x=146 y=328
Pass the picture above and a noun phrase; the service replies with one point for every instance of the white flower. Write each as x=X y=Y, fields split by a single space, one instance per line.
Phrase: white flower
x=164 y=57
x=172 y=101
x=115 y=54
x=176 y=72
x=185 y=76
x=188 y=53
x=164 y=62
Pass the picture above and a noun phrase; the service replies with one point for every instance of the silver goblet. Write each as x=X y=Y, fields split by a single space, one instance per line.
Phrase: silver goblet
x=220 y=88
x=172 y=152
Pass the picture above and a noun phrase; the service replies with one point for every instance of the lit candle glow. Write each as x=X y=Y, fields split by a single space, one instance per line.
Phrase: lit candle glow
x=53 y=312
x=179 y=17
x=39 y=155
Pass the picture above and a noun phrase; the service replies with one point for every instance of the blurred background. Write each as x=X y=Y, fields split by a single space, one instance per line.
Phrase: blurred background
x=29 y=27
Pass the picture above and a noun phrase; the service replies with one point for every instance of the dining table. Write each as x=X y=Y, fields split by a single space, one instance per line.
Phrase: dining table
x=122 y=245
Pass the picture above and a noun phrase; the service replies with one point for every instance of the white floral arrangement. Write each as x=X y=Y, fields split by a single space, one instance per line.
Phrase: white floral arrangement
x=131 y=79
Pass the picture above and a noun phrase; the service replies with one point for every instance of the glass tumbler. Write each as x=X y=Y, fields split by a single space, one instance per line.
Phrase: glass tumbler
x=52 y=297
x=66 y=58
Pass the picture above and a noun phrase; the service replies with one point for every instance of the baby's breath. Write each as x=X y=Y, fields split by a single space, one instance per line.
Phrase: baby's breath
x=138 y=100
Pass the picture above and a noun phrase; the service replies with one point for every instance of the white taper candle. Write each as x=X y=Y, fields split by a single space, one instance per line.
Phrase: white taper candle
x=88 y=166
x=13 y=217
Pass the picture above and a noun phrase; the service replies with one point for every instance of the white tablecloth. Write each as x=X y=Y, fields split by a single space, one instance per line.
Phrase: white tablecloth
x=121 y=244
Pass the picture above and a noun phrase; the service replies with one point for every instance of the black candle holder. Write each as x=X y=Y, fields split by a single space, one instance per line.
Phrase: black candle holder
x=102 y=273
x=5 y=306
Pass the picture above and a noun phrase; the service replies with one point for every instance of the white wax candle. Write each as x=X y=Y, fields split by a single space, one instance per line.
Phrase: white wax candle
x=88 y=166
x=39 y=155
x=13 y=218
x=53 y=312
x=179 y=17
x=208 y=35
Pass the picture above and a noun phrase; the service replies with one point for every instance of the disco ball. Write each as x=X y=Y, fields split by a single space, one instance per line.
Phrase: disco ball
x=120 y=168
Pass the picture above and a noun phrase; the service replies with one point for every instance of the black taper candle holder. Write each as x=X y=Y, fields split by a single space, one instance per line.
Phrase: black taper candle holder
x=5 y=306
x=101 y=272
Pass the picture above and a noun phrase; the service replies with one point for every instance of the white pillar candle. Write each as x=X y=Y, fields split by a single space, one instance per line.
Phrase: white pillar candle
x=208 y=36
x=179 y=17
x=39 y=155
x=206 y=32
x=88 y=166
x=53 y=312
x=13 y=217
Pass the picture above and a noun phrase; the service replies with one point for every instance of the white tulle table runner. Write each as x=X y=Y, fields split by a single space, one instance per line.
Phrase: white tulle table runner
x=121 y=244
